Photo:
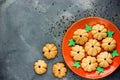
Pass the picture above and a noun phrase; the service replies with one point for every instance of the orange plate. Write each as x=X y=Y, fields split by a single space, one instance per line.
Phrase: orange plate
x=66 y=49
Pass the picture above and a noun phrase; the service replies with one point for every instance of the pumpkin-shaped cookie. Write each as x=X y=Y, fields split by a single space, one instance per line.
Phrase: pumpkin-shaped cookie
x=59 y=70
x=104 y=59
x=40 y=67
x=108 y=44
x=80 y=36
x=89 y=64
x=50 y=51
x=92 y=47
x=77 y=52
x=99 y=31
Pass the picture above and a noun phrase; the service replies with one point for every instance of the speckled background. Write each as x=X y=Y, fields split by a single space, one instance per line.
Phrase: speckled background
x=27 y=25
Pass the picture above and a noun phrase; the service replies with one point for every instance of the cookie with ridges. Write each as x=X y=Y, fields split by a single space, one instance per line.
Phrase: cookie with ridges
x=40 y=67
x=99 y=32
x=50 y=51
x=59 y=70
x=104 y=59
x=80 y=36
x=108 y=44
x=89 y=64
x=92 y=47
x=77 y=53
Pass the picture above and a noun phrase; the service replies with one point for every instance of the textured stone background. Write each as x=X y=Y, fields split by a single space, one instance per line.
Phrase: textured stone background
x=26 y=25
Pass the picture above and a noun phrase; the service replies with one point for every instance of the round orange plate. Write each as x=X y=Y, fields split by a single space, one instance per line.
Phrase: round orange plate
x=66 y=49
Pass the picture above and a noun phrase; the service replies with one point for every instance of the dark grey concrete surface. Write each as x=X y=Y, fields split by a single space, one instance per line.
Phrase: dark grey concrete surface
x=27 y=25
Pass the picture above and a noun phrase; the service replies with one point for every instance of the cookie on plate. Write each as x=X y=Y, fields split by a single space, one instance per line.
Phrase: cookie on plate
x=80 y=36
x=104 y=59
x=92 y=47
x=89 y=63
x=59 y=70
x=77 y=52
x=40 y=67
x=50 y=51
x=99 y=32
x=108 y=44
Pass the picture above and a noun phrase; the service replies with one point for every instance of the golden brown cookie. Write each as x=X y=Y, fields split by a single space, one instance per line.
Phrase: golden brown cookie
x=92 y=47
x=59 y=70
x=77 y=52
x=108 y=44
x=80 y=36
x=89 y=64
x=104 y=59
x=40 y=67
x=99 y=32
x=50 y=51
